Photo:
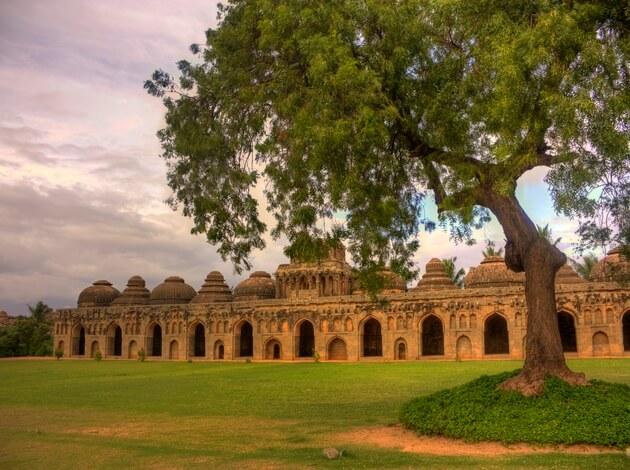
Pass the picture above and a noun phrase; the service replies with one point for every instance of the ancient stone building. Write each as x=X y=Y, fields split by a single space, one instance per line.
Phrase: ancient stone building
x=318 y=309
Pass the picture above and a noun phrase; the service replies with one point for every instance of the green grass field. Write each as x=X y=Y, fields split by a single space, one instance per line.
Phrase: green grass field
x=115 y=414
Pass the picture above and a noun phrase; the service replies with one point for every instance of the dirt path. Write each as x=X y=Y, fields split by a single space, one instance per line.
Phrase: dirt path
x=397 y=437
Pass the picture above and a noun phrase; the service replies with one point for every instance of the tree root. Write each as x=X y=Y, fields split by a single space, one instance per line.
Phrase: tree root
x=531 y=382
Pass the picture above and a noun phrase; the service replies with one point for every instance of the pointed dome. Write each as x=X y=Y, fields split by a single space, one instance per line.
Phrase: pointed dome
x=614 y=266
x=435 y=277
x=99 y=294
x=493 y=272
x=258 y=286
x=172 y=291
x=135 y=293
x=567 y=275
x=214 y=289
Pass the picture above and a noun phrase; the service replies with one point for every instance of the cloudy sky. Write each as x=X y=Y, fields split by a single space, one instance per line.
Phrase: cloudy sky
x=82 y=188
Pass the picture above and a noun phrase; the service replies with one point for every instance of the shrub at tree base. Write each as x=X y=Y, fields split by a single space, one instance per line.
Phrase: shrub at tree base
x=478 y=411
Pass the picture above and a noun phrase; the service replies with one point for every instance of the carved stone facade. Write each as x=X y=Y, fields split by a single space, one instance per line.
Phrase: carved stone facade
x=315 y=313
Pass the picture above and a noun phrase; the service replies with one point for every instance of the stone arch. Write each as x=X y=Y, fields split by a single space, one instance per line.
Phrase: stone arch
x=400 y=349
x=244 y=339
x=371 y=338
x=432 y=336
x=610 y=316
x=197 y=339
x=114 y=340
x=588 y=317
x=349 y=326
x=473 y=321
x=273 y=349
x=95 y=348
x=452 y=321
x=78 y=340
x=219 y=350
x=496 y=338
x=463 y=347
x=154 y=340
x=625 y=330
x=390 y=323
x=61 y=346
x=463 y=324
x=133 y=350
x=601 y=344
x=173 y=350
x=337 y=350
x=400 y=324
x=598 y=318
x=305 y=338
x=568 y=336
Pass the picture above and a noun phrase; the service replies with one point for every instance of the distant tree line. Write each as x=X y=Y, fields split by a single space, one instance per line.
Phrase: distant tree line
x=28 y=336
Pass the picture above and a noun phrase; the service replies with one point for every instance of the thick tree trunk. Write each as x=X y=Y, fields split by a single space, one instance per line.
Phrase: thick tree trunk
x=527 y=251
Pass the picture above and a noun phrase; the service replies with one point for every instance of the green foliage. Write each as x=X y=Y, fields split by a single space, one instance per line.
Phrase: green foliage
x=585 y=267
x=98 y=356
x=58 y=353
x=454 y=274
x=354 y=112
x=490 y=250
x=479 y=411
x=546 y=233
x=142 y=355
x=28 y=336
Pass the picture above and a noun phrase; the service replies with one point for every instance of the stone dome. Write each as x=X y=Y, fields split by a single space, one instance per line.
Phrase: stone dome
x=567 y=275
x=258 y=286
x=172 y=291
x=493 y=272
x=214 y=289
x=613 y=267
x=99 y=294
x=435 y=277
x=135 y=293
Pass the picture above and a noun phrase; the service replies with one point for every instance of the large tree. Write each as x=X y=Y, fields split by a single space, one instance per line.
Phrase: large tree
x=364 y=108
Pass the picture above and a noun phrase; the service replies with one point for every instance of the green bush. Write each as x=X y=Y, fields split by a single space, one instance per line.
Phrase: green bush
x=478 y=411
x=58 y=353
x=141 y=355
x=98 y=356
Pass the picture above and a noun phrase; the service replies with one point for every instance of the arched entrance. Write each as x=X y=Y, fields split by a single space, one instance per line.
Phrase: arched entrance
x=400 y=350
x=337 y=350
x=95 y=349
x=372 y=339
x=199 y=341
x=114 y=340
x=306 y=339
x=273 y=349
x=601 y=344
x=495 y=335
x=78 y=341
x=245 y=340
x=625 y=327
x=463 y=347
x=173 y=350
x=154 y=340
x=432 y=336
x=133 y=350
x=566 y=325
x=219 y=350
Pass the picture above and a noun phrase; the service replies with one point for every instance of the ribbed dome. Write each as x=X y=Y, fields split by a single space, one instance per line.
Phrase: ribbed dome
x=135 y=293
x=259 y=285
x=172 y=291
x=435 y=277
x=214 y=289
x=493 y=272
x=613 y=267
x=567 y=275
x=99 y=294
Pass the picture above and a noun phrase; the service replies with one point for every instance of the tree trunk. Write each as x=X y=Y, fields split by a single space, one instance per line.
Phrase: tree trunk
x=527 y=251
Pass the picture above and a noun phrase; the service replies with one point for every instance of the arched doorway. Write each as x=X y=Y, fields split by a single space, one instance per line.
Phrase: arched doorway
x=400 y=350
x=61 y=346
x=245 y=340
x=114 y=340
x=154 y=340
x=432 y=336
x=372 y=339
x=337 y=350
x=625 y=327
x=463 y=348
x=566 y=325
x=273 y=349
x=199 y=341
x=219 y=350
x=601 y=344
x=306 y=339
x=495 y=335
x=133 y=350
x=78 y=341
x=173 y=350
x=94 y=349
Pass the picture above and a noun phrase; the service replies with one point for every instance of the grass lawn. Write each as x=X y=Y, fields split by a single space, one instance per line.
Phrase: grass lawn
x=116 y=414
